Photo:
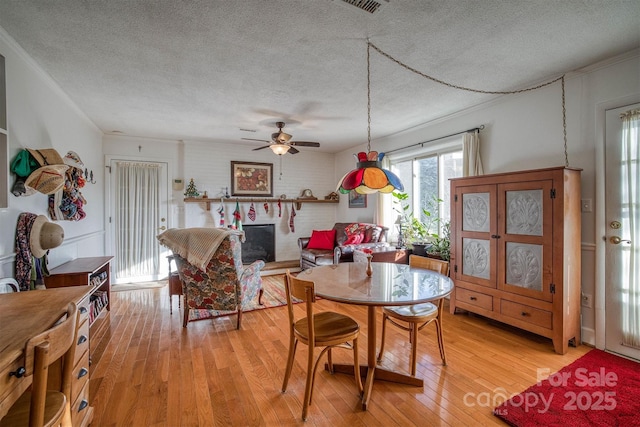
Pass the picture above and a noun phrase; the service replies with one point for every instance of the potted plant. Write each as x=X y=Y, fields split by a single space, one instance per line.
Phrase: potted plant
x=414 y=232
x=441 y=245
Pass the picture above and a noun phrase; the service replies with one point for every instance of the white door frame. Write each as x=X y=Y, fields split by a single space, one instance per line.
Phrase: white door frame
x=109 y=222
x=600 y=224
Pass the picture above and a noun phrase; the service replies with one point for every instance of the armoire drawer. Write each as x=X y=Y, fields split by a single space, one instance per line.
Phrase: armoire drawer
x=474 y=298
x=80 y=407
x=83 y=311
x=80 y=375
x=527 y=314
x=82 y=342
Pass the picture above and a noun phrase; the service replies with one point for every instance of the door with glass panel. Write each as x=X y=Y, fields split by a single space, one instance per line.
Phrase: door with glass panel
x=138 y=213
x=622 y=239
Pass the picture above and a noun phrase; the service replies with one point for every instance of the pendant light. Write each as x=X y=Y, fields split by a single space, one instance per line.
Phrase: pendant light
x=369 y=177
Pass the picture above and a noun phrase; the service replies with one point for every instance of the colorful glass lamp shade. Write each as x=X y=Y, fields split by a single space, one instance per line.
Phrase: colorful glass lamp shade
x=369 y=177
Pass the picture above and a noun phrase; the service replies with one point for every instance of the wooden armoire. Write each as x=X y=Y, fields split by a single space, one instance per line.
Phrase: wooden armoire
x=515 y=250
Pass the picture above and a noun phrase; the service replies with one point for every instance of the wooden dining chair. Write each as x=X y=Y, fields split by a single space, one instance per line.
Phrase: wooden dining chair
x=415 y=317
x=325 y=329
x=41 y=407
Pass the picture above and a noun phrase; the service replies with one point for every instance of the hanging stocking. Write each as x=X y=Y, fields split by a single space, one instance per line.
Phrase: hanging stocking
x=266 y=207
x=292 y=226
x=221 y=212
x=279 y=209
x=237 y=218
x=252 y=213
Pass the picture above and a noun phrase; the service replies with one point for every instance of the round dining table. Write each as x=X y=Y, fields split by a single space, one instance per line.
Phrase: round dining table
x=389 y=284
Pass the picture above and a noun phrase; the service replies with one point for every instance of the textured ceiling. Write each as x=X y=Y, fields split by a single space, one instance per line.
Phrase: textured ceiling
x=211 y=70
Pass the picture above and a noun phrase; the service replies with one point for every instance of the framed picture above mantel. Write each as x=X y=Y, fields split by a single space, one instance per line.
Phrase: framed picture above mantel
x=251 y=179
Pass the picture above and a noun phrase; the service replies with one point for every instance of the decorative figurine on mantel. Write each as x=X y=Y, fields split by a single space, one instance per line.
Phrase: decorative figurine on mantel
x=191 y=190
x=306 y=194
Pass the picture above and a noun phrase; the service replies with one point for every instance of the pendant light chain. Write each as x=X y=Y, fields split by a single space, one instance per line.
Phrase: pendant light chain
x=368 y=97
x=564 y=125
x=489 y=92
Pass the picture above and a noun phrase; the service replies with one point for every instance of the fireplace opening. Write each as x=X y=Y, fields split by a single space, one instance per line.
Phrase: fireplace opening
x=260 y=243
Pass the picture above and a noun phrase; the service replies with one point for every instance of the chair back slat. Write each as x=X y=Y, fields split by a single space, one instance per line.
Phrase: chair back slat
x=437 y=265
x=303 y=290
x=60 y=337
x=44 y=349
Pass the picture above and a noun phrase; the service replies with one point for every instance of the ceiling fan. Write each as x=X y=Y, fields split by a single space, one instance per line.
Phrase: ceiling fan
x=281 y=142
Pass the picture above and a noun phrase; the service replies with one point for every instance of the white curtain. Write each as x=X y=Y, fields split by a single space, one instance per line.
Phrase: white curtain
x=382 y=214
x=631 y=204
x=137 y=251
x=471 y=162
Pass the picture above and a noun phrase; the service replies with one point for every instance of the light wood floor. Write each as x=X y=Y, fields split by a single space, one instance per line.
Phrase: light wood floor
x=149 y=371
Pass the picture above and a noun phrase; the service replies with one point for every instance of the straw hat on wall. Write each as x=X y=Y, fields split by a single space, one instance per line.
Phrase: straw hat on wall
x=47 y=179
x=44 y=235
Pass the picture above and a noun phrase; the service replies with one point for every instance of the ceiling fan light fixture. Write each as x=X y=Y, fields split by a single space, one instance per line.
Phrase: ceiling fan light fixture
x=279 y=149
x=280 y=137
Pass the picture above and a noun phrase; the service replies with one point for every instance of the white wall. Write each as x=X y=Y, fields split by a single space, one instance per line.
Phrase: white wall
x=39 y=115
x=210 y=167
x=525 y=132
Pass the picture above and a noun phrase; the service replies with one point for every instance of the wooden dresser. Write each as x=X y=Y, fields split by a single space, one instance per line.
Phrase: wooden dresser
x=92 y=274
x=24 y=315
x=515 y=257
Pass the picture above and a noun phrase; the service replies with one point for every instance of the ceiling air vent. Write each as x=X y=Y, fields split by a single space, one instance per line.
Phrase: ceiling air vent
x=371 y=6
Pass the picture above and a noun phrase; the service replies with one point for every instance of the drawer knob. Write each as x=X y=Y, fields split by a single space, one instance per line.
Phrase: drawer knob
x=82 y=339
x=83 y=372
x=524 y=313
x=473 y=298
x=18 y=373
x=83 y=310
x=83 y=404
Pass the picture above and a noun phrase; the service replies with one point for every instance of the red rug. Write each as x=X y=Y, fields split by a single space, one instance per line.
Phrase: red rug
x=599 y=389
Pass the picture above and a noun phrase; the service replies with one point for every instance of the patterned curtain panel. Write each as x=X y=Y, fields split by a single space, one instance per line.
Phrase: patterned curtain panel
x=136 y=222
x=631 y=204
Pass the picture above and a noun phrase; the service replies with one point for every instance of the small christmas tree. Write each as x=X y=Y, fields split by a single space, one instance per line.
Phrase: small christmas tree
x=191 y=191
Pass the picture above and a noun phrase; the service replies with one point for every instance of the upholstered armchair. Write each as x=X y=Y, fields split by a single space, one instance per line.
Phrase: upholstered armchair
x=224 y=285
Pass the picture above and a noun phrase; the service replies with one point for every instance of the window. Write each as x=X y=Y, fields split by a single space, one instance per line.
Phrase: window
x=425 y=176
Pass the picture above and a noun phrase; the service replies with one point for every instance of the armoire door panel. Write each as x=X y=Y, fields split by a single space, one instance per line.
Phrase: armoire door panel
x=478 y=220
x=525 y=226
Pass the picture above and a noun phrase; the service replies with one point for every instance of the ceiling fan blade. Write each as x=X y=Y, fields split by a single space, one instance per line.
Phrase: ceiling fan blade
x=305 y=144
x=252 y=139
x=260 y=148
x=292 y=150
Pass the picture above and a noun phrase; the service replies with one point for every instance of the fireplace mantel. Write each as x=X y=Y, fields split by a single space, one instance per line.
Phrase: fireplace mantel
x=298 y=202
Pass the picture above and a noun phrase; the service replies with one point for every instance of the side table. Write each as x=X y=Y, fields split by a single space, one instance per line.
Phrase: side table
x=384 y=254
x=175 y=285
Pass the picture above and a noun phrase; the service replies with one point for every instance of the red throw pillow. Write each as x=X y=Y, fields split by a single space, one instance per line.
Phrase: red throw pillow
x=322 y=239
x=354 y=239
x=356 y=233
